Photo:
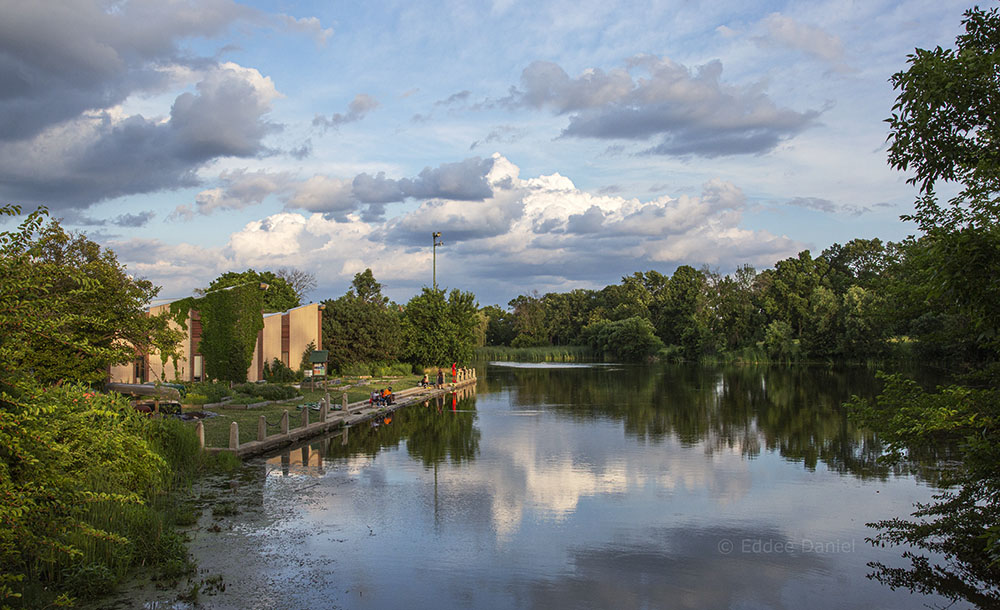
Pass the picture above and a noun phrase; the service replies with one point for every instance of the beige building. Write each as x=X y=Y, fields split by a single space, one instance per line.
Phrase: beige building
x=285 y=336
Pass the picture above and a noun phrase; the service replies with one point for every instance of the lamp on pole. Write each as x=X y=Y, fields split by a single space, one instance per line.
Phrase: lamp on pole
x=434 y=238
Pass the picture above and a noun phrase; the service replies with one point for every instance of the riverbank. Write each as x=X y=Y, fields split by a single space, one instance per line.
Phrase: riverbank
x=329 y=416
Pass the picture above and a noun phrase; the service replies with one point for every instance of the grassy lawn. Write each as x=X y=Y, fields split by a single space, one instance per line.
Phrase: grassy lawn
x=217 y=428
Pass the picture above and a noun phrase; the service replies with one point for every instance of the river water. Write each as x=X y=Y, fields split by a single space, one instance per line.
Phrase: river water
x=583 y=486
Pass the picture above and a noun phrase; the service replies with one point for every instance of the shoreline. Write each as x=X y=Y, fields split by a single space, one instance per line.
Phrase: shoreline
x=328 y=420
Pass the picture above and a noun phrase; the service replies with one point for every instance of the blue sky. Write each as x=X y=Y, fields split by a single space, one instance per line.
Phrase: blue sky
x=556 y=145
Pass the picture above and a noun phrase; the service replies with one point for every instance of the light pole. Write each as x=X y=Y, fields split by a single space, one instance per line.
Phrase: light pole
x=434 y=238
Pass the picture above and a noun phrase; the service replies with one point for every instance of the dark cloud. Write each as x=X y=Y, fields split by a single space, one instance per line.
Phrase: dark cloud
x=134 y=220
x=692 y=111
x=591 y=221
x=825 y=205
x=377 y=189
x=462 y=181
x=359 y=107
x=101 y=157
x=610 y=189
x=813 y=203
x=61 y=59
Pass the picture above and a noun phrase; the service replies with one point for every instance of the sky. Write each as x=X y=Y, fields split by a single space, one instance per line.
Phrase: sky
x=555 y=145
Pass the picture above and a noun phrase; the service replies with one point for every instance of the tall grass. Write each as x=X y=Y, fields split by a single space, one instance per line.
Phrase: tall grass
x=551 y=353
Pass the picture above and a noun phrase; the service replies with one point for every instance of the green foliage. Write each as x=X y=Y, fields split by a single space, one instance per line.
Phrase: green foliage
x=68 y=309
x=529 y=321
x=779 y=342
x=277 y=372
x=945 y=127
x=437 y=332
x=962 y=526
x=361 y=326
x=212 y=391
x=278 y=296
x=80 y=475
x=500 y=325
x=231 y=321
x=266 y=391
x=631 y=340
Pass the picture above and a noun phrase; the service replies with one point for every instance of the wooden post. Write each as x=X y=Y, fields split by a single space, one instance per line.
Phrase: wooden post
x=324 y=410
x=343 y=441
x=305 y=416
x=344 y=402
x=234 y=435
x=261 y=428
x=199 y=429
x=284 y=422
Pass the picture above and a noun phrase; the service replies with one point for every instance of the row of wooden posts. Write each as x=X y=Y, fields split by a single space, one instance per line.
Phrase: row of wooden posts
x=325 y=420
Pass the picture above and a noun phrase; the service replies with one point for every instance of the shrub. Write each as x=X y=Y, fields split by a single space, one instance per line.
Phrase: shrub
x=277 y=372
x=212 y=391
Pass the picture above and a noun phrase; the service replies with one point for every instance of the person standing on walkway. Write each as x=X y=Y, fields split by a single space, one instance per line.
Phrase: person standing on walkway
x=440 y=380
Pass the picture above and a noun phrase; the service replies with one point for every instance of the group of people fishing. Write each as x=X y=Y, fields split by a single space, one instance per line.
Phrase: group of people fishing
x=382 y=398
x=426 y=382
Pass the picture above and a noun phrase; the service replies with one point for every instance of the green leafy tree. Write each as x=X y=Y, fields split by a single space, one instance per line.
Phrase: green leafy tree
x=278 y=296
x=529 y=321
x=439 y=331
x=499 y=325
x=945 y=127
x=361 y=326
x=566 y=314
x=68 y=309
x=631 y=340
x=683 y=318
x=738 y=314
x=78 y=469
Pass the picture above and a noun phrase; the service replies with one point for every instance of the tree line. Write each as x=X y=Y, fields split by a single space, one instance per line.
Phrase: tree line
x=861 y=301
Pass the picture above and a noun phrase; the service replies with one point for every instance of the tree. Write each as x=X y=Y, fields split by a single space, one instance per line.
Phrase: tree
x=278 y=296
x=439 y=331
x=631 y=340
x=945 y=127
x=68 y=309
x=302 y=282
x=78 y=469
x=529 y=321
x=499 y=326
x=361 y=326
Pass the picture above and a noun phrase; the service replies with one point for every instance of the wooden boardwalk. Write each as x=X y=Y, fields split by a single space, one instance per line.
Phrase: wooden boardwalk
x=327 y=419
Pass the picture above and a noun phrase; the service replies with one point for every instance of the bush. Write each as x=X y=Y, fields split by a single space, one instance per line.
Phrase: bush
x=212 y=391
x=632 y=339
x=245 y=399
x=277 y=372
x=266 y=391
x=82 y=476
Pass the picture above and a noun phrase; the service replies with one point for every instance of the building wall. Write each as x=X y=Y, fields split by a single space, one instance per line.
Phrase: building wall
x=304 y=325
x=284 y=336
x=167 y=371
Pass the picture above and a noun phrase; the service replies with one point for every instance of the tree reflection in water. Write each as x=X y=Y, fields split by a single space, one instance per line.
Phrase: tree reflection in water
x=441 y=429
x=796 y=411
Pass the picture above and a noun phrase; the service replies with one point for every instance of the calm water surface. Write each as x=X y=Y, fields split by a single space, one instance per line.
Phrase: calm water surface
x=579 y=487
